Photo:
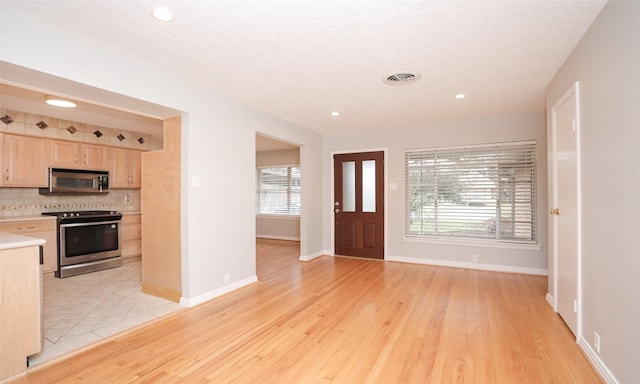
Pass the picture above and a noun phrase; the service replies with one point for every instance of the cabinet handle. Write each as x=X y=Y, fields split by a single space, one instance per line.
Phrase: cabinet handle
x=6 y=172
x=22 y=228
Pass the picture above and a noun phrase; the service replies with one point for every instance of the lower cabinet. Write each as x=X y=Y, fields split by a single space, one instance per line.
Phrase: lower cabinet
x=131 y=235
x=42 y=229
x=20 y=312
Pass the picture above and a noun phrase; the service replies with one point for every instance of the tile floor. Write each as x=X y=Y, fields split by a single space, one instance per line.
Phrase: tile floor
x=83 y=309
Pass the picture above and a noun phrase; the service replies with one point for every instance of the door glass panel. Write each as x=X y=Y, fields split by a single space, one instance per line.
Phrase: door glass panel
x=369 y=186
x=349 y=186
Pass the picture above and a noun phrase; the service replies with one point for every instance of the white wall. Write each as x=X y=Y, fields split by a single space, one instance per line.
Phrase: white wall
x=282 y=157
x=528 y=126
x=218 y=143
x=606 y=62
x=277 y=227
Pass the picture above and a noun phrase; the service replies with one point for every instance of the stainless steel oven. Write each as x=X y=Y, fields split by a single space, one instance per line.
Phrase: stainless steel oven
x=88 y=241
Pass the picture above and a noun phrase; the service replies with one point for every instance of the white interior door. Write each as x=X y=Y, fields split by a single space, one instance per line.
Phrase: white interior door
x=564 y=218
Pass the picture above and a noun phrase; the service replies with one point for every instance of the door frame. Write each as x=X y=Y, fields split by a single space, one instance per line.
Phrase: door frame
x=332 y=196
x=573 y=90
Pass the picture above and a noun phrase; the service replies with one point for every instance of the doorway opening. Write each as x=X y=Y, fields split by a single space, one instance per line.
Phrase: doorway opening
x=278 y=190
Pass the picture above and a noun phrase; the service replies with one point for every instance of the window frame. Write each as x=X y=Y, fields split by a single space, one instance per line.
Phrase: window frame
x=529 y=165
x=289 y=191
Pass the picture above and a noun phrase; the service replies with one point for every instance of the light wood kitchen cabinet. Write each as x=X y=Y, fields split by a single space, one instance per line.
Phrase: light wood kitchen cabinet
x=42 y=229
x=131 y=235
x=24 y=161
x=21 y=309
x=126 y=169
x=69 y=154
x=64 y=154
x=95 y=156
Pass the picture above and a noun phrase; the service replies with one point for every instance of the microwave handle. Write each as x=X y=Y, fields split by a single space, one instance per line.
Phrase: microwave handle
x=103 y=183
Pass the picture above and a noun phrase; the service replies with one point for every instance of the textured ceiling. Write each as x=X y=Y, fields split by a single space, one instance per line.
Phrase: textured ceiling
x=301 y=60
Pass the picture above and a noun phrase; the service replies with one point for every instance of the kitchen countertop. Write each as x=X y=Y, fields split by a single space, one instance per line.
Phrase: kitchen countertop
x=11 y=241
x=10 y=219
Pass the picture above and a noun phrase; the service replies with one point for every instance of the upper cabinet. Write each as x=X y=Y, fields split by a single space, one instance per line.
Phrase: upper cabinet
x=68 y=154
x=125 y=169
x=95 y=156
x=24 y=161
x=64 y=153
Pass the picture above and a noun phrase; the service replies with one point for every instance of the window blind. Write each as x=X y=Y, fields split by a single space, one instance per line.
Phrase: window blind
x=485 y=192
x=278 y=191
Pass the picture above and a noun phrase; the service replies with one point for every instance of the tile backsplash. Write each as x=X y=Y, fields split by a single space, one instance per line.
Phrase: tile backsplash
x=50 y=127
x=27 y=201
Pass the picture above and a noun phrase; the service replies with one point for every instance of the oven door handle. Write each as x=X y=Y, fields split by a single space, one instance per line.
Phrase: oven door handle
x=87 y=223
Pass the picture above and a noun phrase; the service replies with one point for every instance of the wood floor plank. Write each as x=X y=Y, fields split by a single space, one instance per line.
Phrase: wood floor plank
x=346 y=320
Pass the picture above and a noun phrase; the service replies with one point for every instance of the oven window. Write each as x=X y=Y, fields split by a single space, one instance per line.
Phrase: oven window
x=90 y=238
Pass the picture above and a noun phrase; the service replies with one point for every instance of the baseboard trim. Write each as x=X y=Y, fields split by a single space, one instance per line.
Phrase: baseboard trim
x=131 y=259
x=551 y=301
x=190 y=302
x=313 y=256
x=596 y=362
x=162 y=292
x=275 y=237
x=477 y=266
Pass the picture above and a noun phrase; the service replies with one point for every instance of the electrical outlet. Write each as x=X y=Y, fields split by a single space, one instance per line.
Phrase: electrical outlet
x=474 y=258
x=227 y=279
x=596 y=342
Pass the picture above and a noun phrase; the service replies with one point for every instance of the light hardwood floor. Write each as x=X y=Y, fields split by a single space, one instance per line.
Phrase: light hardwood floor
x=346 y=320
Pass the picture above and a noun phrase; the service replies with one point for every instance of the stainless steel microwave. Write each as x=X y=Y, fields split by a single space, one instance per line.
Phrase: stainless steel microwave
x=76 y=181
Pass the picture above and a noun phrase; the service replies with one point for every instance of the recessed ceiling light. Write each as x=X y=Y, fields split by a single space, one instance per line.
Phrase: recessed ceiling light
x=335 y=113
x=162 y=14
x=58 y=102
x=460 y=96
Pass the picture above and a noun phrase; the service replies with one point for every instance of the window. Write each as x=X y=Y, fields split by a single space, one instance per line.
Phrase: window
x=480 y=192
x=278 y=191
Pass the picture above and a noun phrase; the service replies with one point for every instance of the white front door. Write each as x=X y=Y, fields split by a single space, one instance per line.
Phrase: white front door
x=564 y=212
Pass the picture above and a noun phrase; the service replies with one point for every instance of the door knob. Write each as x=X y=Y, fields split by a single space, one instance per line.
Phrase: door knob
x=555 y=211
x=336 y=210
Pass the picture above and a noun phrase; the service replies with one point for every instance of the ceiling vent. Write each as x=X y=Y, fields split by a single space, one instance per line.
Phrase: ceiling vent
x=402 y=78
